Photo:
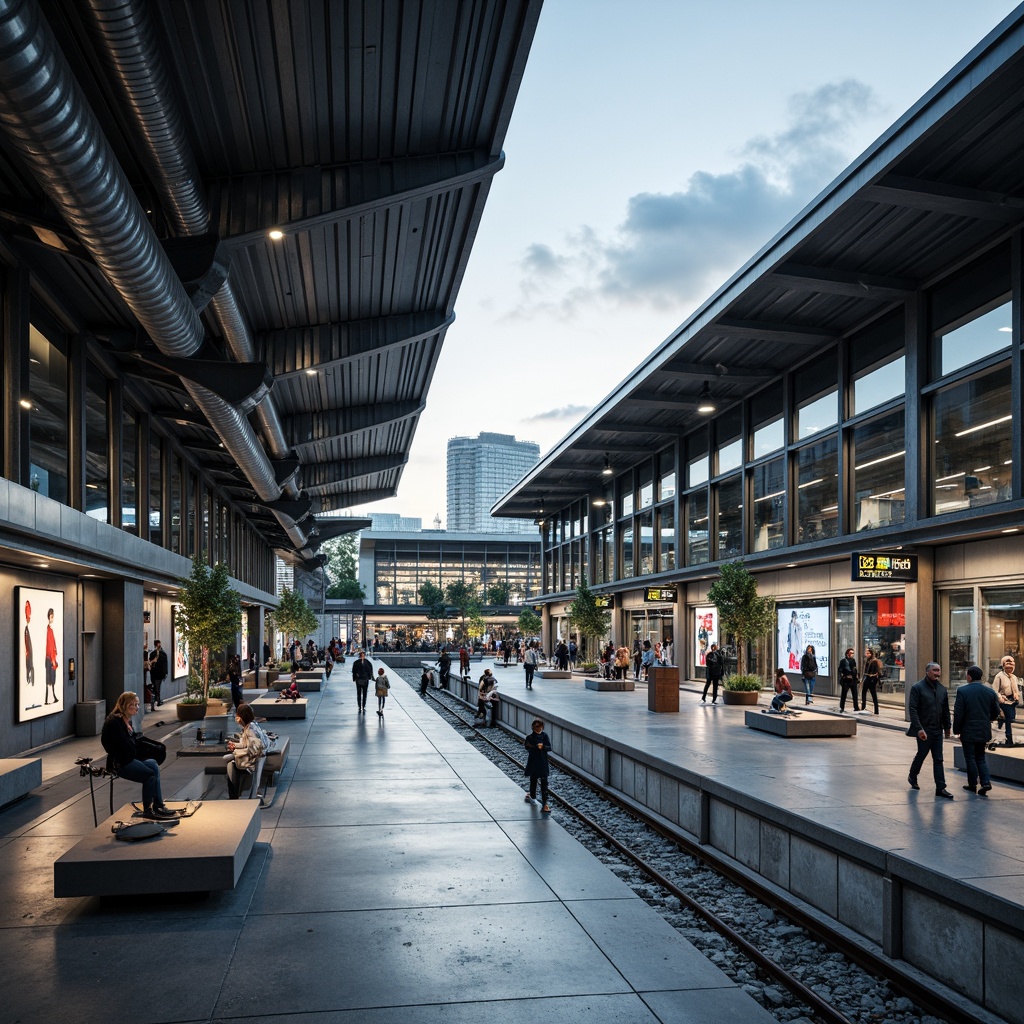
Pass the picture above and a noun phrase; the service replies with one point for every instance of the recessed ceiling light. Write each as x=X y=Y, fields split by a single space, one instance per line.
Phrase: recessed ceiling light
x=311 y=373
x=25 y=403
x=275 y=234
x=1013 y=529
x=791 y=565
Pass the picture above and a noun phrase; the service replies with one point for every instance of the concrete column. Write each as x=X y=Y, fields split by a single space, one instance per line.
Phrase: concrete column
x=122 y=631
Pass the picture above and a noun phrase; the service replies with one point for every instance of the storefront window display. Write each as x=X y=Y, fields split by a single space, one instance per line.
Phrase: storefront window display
x=1002 y=627
x=957 y=630
x=705 y=633
x=652 y=623
x=799 y=627
x=883 y=626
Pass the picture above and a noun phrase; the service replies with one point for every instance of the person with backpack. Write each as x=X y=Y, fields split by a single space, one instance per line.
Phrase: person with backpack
x=380 y=688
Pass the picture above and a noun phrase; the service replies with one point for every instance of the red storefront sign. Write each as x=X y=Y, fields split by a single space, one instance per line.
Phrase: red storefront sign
x=892 y=611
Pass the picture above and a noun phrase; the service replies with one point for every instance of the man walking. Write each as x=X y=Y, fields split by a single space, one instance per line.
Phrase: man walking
x=714 y=665
x=362 y=673
x=975 y=709
x=530 y=662
x=929 y=722
x=157 y=673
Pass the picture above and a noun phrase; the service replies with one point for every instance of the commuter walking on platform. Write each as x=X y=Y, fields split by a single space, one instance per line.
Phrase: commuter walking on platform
x=463 y=662
x=537 y=746
x=714 y=665
x=872 y=673
x=848 y=679
x=381 y=685
x=157 y=673
x=783 y=692
x=562 y=656
x=444 y=663
x=530 y=662
x=929 y=722
x=621 y=662
x=1007 y=689
x=426 y=681
x=974 y=710
x=637 y=658
x=362 y=673
x=809 y=671
x=646 y=659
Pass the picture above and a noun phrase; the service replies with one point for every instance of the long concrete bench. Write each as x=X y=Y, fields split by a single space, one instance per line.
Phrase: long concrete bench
x=272 y=706
x=203 y=853
x=18 y=777
x=1003 y=762
x=600 y=683
x=553 y=673
x=277 y=757
x=806 y=724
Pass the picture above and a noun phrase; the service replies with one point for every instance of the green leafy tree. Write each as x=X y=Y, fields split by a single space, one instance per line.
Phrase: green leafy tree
x=741 y=611
x=432 y=597
x=209 y=614
x=463 y=598
x=294 y=617
x=529 y=622
x=499 y=592
x=585 y=616
x=342 y=565
x=477 y=626
x=347 y=590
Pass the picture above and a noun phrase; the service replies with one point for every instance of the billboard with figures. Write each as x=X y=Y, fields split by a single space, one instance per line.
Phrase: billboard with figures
x=800 y=627
x=705 y=633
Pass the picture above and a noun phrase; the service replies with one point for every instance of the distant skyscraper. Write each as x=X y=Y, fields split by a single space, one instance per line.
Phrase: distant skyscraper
x=392 y=522
x=480 y=470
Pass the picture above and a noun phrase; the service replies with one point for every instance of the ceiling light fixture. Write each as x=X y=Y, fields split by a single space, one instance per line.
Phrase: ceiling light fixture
x=705 y=403
x=275 y=234
x=607 y=471
x=25 y=403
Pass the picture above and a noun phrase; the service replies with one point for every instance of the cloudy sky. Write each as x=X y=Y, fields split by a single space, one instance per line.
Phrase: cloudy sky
x=655 y=146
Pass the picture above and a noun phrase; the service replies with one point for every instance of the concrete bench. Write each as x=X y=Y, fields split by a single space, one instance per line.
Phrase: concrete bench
x=270 y=706
x=807 y=724
x=18 y=777
x=600 y=683
x=277 y=757
x=553 y=673
x=202 y=853
x=1003 y=762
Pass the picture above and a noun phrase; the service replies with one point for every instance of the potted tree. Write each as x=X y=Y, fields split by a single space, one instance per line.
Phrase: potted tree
x=294 y=617
x=745 y=615
x=591 y=622
x=208 y=616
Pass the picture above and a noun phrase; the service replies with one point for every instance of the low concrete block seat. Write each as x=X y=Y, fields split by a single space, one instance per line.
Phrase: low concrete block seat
x=277 y=756
x=1003 y=762
x=599 y=683
x=271 y=706
x=307 y=685
x=18 y=777
x=553 y=673
x=203 y=853
x=808 y=723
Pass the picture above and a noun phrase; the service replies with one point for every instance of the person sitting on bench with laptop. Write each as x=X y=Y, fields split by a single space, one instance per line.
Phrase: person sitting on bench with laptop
x=118 y=739
x=246 y=751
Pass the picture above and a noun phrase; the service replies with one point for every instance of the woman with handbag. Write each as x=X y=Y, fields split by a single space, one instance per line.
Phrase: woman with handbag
x=809 y=671
x=118 y=739
x=1007 y=687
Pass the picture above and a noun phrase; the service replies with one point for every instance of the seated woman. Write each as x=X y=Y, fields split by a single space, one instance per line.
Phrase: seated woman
x=118 y=739
x=246 y=752
x=783 y=692
x=487 y=697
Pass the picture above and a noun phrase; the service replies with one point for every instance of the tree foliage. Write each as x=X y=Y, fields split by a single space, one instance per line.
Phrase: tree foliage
x=347 y=590
x=342 y=568
x=529 y=622
x=585 y=616
x=499 y=592
x=294 y=617
x=740 y=611
x=432 y=597
x=463 y=598
x=209 y=614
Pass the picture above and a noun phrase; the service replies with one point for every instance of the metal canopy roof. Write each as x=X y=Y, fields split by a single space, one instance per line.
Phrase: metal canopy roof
x=367 y=133
x=944 y=181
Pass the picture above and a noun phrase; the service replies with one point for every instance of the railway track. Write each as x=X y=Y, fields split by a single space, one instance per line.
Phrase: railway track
x=793 y=963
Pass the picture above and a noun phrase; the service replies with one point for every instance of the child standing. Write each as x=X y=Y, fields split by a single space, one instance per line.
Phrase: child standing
x=537 y=746
x=381 y=687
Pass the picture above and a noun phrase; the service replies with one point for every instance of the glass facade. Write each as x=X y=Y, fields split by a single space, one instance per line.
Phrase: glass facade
x=879 y=461
x=97 y=475
x=48 y=418
x=769 y=521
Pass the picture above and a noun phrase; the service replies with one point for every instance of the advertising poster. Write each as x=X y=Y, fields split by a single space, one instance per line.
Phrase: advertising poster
x=705 y=633
x=39 y=637
x=799 y=627
x=180 y=657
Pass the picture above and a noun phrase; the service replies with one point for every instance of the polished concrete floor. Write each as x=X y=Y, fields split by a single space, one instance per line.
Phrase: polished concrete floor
x=399 y=877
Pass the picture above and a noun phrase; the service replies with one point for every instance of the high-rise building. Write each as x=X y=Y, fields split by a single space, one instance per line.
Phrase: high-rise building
x=480 y=470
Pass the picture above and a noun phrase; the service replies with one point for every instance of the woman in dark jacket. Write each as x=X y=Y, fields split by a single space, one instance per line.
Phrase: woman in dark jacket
x=809 y=670
x=118 y=739
x=537 y=746
x=872 y=673
x=235 y=679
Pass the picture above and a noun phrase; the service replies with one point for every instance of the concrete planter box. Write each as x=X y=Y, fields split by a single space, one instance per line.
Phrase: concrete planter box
x=741 y=696
x=190 y=712
x=89 y=717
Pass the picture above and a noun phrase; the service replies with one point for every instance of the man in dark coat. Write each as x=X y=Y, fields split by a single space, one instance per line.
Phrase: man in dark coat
x=929 y=722
x=975 y=709
x=362 y=673
x=714 y=665
x=444 y=664
x=157 y=673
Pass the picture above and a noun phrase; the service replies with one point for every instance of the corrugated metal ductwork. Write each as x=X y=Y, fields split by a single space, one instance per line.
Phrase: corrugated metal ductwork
x=124 y=32
x=47 y=119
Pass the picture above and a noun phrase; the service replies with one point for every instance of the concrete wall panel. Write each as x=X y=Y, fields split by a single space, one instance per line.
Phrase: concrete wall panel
x=860 y=899
x=748 y=840
x=775 y=854
x=936 y=933
x=814 y=874
x=723 y=827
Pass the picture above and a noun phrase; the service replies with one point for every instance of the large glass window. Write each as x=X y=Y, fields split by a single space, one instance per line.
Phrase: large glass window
x=626 y=502
x=155 y=482
x=1002 y=628
x=645 y=553
x=972 y=450
x=884 y=630
x=881 y=385
x=48 y=418
x=730 y=456
x=627 y=552
x=697 y=534
x=879 y=460
x=769 y=505
x=129 y=465
x=730 y=518
x=983 y=336
x=666 y=538
x=666 y=474
x=817 y=490
x=646 y=486
x=956 y=635
x=769 y=438
x=817 y=415
x=96 y=444
x=697 y=471
x=177 y=483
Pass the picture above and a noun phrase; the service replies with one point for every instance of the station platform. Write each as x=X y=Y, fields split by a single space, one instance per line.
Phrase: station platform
x=398 y=877
x=936 y=885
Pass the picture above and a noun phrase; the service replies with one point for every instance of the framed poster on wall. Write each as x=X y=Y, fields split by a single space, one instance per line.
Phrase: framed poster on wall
x=39 y=636
x=798 y=627
x=180 y=665
x=705 y=633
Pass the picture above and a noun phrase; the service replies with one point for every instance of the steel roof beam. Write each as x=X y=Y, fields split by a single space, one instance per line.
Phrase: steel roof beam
x=829 y=281
x=788 y=334
x=306 y=429
x=938 y=197
x=324 y=474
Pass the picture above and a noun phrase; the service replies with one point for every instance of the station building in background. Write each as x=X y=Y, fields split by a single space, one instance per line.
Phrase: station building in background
x=843 y=415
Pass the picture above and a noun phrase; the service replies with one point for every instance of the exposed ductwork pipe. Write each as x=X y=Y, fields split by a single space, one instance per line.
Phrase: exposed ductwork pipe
x=125 y=34
x=48 y=121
